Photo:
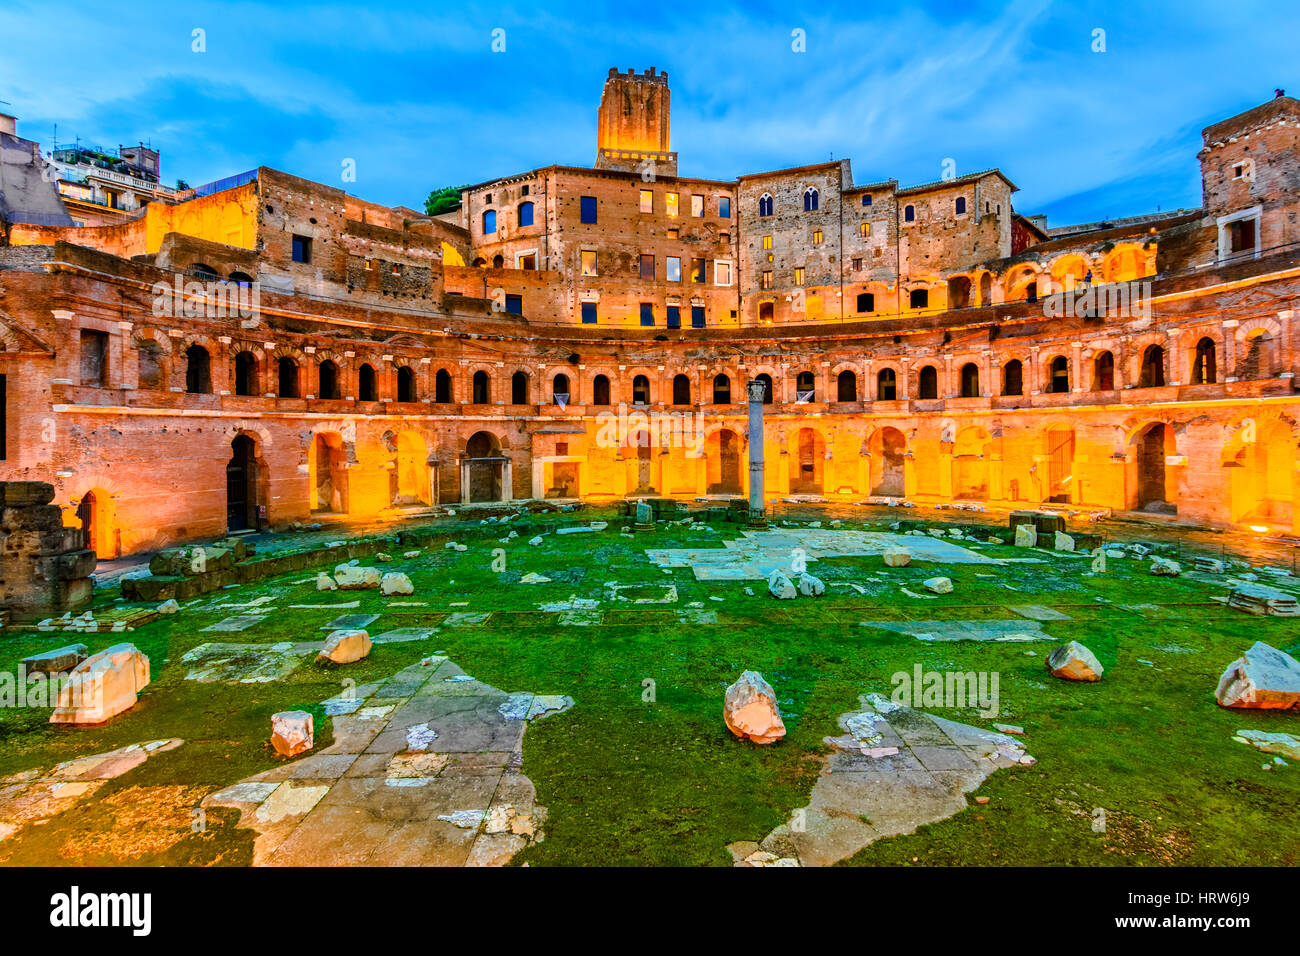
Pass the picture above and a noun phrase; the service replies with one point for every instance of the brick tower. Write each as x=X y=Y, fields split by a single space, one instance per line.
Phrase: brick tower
x=633 y=124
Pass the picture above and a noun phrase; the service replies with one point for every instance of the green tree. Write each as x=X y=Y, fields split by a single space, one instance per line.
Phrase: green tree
x=443 y=199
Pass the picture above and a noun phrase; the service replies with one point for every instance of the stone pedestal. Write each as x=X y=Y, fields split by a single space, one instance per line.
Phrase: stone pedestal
x=47 y=567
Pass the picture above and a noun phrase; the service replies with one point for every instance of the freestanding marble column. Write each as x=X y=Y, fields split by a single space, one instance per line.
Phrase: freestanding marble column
x=757 y=389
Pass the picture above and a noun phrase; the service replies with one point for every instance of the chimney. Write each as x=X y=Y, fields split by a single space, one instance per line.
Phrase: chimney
x=8 y=124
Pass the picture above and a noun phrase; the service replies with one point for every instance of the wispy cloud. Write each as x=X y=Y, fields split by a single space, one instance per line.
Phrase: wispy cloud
x=417 y=97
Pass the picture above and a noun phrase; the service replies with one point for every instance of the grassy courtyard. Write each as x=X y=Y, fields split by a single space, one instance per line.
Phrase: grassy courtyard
x=631 y=780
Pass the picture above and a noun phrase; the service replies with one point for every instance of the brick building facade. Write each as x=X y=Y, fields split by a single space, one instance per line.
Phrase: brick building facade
x=280 y=350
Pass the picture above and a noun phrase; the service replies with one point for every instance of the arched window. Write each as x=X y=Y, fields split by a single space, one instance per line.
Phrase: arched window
x=928 y=384
x=600 y=390
x=681 y=390
x=481 y=394
x=241 y=278
x=805 y=387
x=765 y=204
x=721 y=390
x=525 y=214
x=288 y=375
x=1103 y=372
x=1205 y=370
x=560 y=389
x=367 y=390
x=767 y=387
x=245 y=374
x=519 y=389
x=970 y=380
x=847 y=386
x=442 y=387
x=489 y=221
x=960 y=205
x=909 y=214
x=810 y=198
x=1153 y=367
x=1013 y=378
x=498 y=261
x=198 y=369
x=327 y=380
x=1059 y=375
x=640 y=390
x=203 y=271
x=886 y=385
x=406 y=384
x=919 y=298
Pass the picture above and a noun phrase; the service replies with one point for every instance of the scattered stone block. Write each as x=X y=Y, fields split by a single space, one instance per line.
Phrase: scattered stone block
x=1283 y=744
x=170 y=606
x=383 y=558
x=938 y=585
x=102 y=686
x=57 y=660
x=896 y=557
x=1063 y=542
x=750 y=711
x=292 y=732
x=532 y=577
x=1026 y=536
x=1165 y=568
x=780 y=586
x=1073 y=661
x=410 y=555
x=395 y=582
x=535 y=541
x=810 y=586
x=1262 y=600
x=354 y=578
x=325 y=583
x=346 y=646
x=1263 y=678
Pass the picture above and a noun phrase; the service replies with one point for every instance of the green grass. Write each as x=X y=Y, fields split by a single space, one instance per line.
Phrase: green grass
x=627 y=780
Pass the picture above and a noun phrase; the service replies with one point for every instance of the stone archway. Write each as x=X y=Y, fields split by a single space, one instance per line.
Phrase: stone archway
x=723 y=457
x=807 y=462
x=1153 y=445
x=242 y=482
x=327 y=467
x=970 y=467
x=888 y=448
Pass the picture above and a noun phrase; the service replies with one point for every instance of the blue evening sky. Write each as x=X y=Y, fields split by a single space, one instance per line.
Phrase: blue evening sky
x=413 y=92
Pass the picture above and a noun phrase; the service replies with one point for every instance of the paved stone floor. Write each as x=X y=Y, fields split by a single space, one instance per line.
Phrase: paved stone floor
x=892 y=770
x=754 y=555
x=423 y=771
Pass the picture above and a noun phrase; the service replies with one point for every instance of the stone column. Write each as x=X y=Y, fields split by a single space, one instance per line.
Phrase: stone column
x=757 y=511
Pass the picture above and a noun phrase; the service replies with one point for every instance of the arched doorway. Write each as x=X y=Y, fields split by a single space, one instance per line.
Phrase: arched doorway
x=95 y=512
x=970 y=467
x=641 y=453
x=723 y=451
x=807 y=464
x=241 y=485
x=1154 y=444
x=888 y=448
x=328 y=474
x=1263 y=484
x=411 y=470
x=485 y=465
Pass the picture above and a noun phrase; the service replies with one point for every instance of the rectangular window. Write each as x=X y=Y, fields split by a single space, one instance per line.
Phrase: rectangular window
x=94 y=358
x=647 y=313
x=722 y=272
x=697 y=316
x=647 y=200
x=766 y=280
x=587 y=209
x=864 y=229
x=798 y=275
x=866 y=200
x=674 y=320
x=674 y=269
x=301 y=249
x=697 y=270
x=647 y=266
x=817 y=237
x=526 y=260
x=857 y=264
x=589 y=262
x=674 y=233
x=589 y=313
x=515 y=304
x=724 y=207
x=767 y=242
x=697 y=206
x=866 y=302
x=670 y=205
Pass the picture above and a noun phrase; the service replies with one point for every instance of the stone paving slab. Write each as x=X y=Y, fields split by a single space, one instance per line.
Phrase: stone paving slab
x=1015 y=630
x=238 y=622
x=871 y=790
x=216 y=662
x=753 y=556
x=423 y=771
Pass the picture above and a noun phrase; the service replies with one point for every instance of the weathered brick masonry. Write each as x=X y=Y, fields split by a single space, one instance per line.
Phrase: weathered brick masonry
x=388 y=360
